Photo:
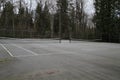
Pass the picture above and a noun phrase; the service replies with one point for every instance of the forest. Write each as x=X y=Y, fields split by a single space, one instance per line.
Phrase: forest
x=66 y=20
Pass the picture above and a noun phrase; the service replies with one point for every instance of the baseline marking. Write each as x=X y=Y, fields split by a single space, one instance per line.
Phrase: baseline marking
x=7 y=50
x=25 y=49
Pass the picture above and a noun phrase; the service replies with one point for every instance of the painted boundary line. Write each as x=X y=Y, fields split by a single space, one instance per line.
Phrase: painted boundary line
x=25 y=49
x=7 y=50
x=47 y=54
x=37 y=55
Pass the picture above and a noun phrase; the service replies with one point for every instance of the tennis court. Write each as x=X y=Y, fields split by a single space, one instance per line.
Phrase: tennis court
x=27 y=47
x=47 y=59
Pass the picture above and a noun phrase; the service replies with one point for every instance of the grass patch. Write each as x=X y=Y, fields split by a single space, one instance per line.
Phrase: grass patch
x=4 y=60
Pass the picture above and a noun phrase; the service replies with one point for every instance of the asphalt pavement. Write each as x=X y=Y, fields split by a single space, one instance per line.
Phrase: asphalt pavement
x=45 y=59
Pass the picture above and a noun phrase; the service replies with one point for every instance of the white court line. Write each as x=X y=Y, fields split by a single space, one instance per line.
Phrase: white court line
x=46 y=54
x=25 y=56
x=36 y=55
x=25 y=49
x=7 y=50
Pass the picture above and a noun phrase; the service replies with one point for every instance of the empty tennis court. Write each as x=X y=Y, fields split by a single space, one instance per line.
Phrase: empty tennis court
x=47 y=59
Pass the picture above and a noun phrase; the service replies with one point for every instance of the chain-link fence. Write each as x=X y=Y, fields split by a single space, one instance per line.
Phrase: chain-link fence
x=18 y=33
x=87 y=34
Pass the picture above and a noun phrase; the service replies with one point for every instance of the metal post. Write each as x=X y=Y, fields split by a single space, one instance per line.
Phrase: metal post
x=13 y=23
x=52 y=24
x=69 y=28
x=60 y=26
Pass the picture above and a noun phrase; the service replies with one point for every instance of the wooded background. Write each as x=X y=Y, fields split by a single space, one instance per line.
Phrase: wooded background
x=67 y=20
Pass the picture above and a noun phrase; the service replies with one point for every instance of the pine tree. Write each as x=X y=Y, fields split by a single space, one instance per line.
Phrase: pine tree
x=105 y=20
x=46 y=20
x=63 y=18
x=7 y=20
x=80 y=20
x=72 y=23
x=42 y=20
x=116 y=18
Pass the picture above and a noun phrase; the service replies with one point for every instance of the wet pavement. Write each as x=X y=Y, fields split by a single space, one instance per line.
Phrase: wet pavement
x=35 y=59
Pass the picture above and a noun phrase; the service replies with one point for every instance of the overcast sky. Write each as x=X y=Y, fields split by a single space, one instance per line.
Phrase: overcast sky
x=89 y=7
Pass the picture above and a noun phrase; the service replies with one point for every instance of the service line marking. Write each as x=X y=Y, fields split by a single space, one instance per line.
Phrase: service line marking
x=25 y=49
x=49 y=54
x=7 y=50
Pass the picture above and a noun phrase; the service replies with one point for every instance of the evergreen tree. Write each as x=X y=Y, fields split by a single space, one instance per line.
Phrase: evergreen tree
x=56 y=23
x=21 y=18
x=117 y=19
x=28 y=19
x=38 y=18
x=80 y=20
x=46 y=20
x=42 y=20
x=6 y=19
x=72 y=17
x=63 y=17
x=23 y=21
x=105 y=20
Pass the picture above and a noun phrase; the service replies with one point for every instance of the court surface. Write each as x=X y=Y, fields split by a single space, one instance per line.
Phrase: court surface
x=46 y=59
